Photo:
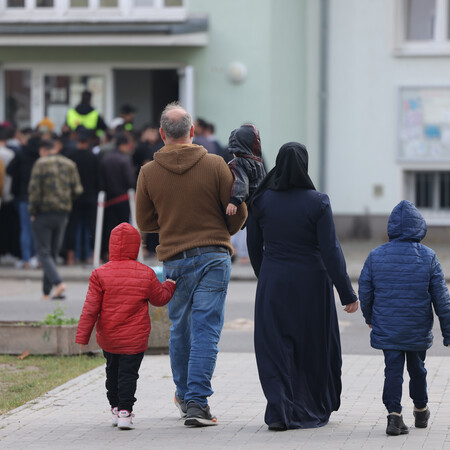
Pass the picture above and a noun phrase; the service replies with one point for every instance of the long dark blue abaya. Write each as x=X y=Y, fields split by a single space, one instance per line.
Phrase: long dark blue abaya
x=297 y=257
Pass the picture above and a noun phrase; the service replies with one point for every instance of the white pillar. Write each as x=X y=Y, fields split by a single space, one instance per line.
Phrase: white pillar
x=61 y=7
x=125 y=7
x=132 y=200
x=186 y=88
x=99 y=228
x=37 y=97
x=30 y=5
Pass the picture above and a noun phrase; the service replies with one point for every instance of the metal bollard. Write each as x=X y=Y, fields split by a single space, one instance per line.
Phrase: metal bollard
x=132 y=200
x=99 y=228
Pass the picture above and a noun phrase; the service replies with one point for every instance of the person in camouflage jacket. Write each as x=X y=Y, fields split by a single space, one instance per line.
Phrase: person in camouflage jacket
x=54 y=184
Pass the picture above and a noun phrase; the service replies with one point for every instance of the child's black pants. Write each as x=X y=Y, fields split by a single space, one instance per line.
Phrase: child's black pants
x=393 y=372
x=122 y=373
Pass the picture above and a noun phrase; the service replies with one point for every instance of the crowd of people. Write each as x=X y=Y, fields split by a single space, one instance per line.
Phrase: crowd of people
x=107 y=158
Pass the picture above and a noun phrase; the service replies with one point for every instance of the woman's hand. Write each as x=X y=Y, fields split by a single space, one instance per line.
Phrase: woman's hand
x=352 y=307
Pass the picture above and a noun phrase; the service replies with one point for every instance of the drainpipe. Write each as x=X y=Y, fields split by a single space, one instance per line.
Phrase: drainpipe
x=323 y=96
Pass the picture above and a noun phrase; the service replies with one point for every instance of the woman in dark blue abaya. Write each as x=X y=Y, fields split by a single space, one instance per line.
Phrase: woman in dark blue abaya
x=297 y=259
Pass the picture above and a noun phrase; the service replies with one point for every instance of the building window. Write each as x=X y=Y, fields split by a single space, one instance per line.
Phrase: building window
x=423 y=189
x=144 y=3
x=429 y=190
x=103 y=10
x=79 y=3
x=420 y=19
x=16 y=3
x=422 y=27
x=109 y=3
x=18 y=97
x=44 y=3
x=63 y=92
x=444 y=190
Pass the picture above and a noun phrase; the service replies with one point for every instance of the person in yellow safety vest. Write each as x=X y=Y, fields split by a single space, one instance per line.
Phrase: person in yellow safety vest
x=125 y=118
x=85 y=115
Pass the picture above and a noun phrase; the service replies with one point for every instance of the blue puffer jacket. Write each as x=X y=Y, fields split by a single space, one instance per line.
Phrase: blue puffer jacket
x=399 y=283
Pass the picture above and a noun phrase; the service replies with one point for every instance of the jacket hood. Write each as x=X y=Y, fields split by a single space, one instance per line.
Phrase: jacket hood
x=406 y=223
x=124 y=242
x=179 y=158
x=245 y=141
x=31 y=149
x=84 y=108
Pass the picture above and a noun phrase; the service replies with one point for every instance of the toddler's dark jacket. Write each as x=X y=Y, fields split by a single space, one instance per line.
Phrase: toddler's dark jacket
x=399 y=284
x=247 y=166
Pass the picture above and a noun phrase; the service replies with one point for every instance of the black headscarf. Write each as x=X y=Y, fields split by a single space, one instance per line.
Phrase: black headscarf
x=290 y=171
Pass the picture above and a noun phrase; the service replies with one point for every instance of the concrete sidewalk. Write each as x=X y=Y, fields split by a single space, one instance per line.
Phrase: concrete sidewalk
x=76 y=415
x=355 y=253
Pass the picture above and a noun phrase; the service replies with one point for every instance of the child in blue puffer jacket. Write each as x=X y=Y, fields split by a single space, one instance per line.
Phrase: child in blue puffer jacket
x=399 y=284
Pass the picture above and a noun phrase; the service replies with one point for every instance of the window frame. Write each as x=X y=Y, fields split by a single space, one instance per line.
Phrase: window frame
x=62 y=12
x=436 y=215
x=439 y=45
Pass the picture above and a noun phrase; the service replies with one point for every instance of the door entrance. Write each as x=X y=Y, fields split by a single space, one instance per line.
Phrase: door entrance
x=147 y=90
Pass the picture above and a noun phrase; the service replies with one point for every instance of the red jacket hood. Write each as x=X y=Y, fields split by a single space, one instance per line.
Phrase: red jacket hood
x=124 y=242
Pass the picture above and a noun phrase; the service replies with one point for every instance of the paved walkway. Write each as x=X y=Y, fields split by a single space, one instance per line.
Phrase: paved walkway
x=76 y=416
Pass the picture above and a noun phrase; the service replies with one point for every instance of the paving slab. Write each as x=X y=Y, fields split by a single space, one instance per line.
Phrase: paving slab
x=76 y=414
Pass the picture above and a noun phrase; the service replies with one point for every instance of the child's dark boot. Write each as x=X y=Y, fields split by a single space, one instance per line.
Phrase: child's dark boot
x=421 y=418
x=395 y=425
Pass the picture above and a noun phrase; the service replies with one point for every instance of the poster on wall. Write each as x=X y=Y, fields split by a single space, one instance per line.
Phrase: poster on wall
x=424 y=124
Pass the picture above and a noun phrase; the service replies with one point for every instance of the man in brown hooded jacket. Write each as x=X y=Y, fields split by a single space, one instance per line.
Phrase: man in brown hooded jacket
x=183 y=194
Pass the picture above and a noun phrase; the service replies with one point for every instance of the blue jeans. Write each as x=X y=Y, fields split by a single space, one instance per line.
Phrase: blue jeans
x=393 y=372
x=197 y=313
x=26 y=234
x=83 y=247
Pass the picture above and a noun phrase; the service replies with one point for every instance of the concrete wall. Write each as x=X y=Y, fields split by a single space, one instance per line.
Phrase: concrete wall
x=271 y=39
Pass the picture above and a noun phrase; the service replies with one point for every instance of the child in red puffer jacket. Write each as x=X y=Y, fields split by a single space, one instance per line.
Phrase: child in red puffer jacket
x=117 y=303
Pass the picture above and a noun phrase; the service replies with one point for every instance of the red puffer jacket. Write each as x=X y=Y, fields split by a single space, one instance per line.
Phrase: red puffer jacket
x=118 y=296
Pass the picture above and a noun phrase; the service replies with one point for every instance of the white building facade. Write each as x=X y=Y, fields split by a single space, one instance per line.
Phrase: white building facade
x=388 y=133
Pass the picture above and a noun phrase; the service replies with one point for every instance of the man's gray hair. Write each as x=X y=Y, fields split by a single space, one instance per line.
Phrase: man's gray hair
x=179 y=128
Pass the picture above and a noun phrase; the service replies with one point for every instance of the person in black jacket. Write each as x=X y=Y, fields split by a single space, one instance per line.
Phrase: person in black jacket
x=81 y=227
x=20 y=171
x=247 y=165
x=116 y=178
x=248 y=171
x=149 y=143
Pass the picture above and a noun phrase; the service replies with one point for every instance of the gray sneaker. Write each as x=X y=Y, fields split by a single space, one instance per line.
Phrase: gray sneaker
x=199 y=416
x=181 y=405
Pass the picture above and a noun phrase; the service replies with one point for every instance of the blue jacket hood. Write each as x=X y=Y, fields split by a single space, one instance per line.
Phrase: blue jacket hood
x=406 y=223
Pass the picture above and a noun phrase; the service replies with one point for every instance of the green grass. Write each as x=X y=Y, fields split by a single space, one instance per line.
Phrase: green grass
x=24 y=380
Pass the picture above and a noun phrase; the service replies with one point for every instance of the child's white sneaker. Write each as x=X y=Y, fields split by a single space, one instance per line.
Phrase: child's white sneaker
x=125 y=420
x=114 y=416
